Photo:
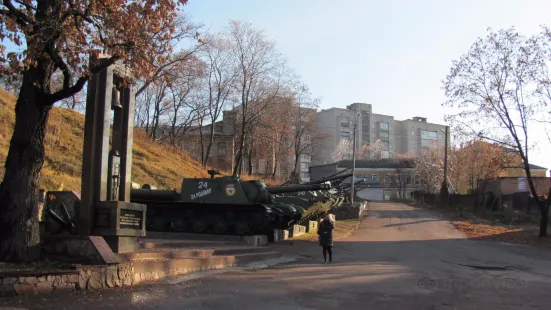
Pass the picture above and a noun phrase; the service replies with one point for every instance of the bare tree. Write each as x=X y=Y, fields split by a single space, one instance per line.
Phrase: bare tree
x=343 y=150
x=260 y=73
x=429 y=168
x=372 y=151
x=219 y=81
x=403 y=176
x=155 y=103
x=494 y=87
x=400 y=180
x=164 y=68
x=303 y=126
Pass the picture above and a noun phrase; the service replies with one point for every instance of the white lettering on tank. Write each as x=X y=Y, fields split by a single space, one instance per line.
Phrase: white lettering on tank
x=201 y=193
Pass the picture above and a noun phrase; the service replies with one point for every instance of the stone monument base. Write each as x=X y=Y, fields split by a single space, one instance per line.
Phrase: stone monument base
x=120 y=223
x=122 y=244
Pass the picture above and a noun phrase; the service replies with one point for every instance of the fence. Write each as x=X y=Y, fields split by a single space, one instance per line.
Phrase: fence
x=516 y=204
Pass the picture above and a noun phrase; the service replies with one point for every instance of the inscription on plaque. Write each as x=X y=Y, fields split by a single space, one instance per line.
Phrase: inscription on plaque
x=103 y=217
x=130 y=219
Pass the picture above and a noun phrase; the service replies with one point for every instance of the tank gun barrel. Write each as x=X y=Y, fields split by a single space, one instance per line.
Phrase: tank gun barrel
x=347 y=185
x=297 y=188
x=331 y=178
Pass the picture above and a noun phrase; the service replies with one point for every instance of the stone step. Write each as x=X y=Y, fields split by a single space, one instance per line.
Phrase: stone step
x=145 y=270
x=177 y=253
x=191 y=236
x=170 y=243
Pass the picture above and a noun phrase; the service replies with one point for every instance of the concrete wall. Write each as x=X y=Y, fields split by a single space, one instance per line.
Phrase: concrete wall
x=411 y=135
x=327 y=126
x=508 y=186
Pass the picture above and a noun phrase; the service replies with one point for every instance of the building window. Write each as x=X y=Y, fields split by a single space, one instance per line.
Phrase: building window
x=375 y=177
x=304 y=166
x=384 y=135
x=304 y=175
x=387 y=179
x=417 y=180
x=345 y=121
x=343 y=137
x=432 y=135
x=384 y=126
x=428 y=139
x=385 y=154
x=221 y=148
x=413 y=132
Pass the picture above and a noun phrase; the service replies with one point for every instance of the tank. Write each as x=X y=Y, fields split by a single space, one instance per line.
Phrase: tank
x=223 y=205
x=316 y=203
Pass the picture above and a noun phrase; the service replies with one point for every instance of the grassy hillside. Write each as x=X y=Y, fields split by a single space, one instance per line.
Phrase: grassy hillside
x=155 y=164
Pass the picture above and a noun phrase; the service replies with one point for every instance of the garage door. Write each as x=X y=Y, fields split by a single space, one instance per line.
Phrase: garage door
x=373 y=194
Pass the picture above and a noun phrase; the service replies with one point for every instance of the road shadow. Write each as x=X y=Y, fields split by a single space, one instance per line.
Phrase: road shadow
x=528 y=237
x=410 y=223
x=408 y=274
x=404 y=214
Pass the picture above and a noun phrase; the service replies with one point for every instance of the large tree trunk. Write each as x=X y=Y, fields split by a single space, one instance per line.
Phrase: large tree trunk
x=19 y=229
x=296 y=169
x=250 y=159
x=239 y=156
x=544 y=210
x=209 y=145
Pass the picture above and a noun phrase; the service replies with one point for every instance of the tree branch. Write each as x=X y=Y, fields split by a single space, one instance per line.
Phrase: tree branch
x=61 y=65
x=22 y=19
x=27 y=6
x=67 y=92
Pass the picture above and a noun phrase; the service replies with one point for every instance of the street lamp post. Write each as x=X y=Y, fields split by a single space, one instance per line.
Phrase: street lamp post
x=444 y=188
x=353 y=161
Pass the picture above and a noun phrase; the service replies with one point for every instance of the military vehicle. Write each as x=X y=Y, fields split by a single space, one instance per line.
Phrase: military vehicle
x=315 y=203
x=222 y=205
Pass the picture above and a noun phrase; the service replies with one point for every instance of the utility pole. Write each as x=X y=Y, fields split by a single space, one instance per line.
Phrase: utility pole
x=353 y=161
x=444 y=189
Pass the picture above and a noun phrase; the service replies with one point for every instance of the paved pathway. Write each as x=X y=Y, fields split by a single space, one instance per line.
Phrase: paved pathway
x=399 y=258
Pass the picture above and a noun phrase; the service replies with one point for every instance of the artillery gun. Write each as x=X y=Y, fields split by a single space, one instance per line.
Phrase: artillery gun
x=222 y=205
x=316 y=203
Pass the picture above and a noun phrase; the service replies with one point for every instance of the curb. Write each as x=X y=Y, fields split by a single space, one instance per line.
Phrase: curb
x=250 y=266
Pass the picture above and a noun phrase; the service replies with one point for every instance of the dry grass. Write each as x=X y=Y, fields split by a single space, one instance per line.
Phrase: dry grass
x=161 y=165
x=342 y=230
x=479 y=228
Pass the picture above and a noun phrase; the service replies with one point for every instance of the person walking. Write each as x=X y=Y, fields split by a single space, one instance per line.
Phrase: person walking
x=325 y=233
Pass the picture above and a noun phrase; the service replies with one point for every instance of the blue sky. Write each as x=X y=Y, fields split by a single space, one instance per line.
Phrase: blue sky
x=392 y=54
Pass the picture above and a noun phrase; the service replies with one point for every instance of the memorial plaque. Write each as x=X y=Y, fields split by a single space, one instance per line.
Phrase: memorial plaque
x=130 y=219
x=103 y=217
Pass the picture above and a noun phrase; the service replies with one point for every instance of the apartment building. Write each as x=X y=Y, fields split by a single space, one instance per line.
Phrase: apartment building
x=411 y=135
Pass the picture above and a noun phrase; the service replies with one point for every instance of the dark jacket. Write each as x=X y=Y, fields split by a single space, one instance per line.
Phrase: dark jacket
x=325 y=233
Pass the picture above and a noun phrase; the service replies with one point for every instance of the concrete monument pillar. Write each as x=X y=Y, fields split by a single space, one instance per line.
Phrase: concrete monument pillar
x=105 y=208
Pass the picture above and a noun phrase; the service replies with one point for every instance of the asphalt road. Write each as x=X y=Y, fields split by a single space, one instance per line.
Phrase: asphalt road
x=399 y=258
